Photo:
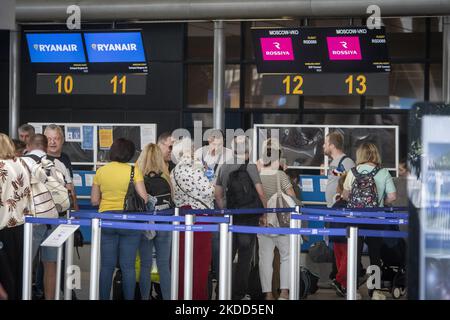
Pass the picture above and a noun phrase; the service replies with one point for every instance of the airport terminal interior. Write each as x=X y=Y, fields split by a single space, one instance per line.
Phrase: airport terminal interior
x=328 y=86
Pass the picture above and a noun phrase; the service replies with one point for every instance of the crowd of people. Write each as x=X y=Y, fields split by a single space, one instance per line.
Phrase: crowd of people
x=171 y=174
x=25 y=166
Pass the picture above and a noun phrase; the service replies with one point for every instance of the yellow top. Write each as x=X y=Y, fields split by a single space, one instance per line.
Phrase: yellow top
x=113 y=180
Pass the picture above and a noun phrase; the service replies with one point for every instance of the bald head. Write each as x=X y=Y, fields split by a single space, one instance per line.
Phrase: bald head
x=38 y=142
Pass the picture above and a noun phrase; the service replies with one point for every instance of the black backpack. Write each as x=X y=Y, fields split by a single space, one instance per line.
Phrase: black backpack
x=308 y=283
x=240 y=194
x=364 y=192
x=158 y=187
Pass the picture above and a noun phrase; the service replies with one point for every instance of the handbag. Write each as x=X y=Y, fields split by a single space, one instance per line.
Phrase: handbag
x=133 y=201
x=280 y=200
x=319 y=252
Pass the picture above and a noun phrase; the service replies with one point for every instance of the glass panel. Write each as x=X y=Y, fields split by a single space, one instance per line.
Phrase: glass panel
x=406 y=86
x=130 y=133
x=384 y=139
x=404 y=24
x=436 y=47
x=304 y=146
x=200 y=42
x=436 y=82
x=406 y=45
x=254 y=98
x=406 y=37
x=233 y=40
x=274 y=118
x=205 y=118
x=332 y=22
x=300 y=146
x=330 y=118
x=400 y=120
x=200 y=86
x=333 y=102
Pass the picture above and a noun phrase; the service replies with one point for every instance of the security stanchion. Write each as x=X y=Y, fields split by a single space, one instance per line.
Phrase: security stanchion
x=352 y=262
x=68 y=264
x=175 y=260
x=230 y=257
x=68 y=267
x=299 y=251
x=223 y=260
x=95 y=261
x=188 y=256
x=294 y=268
x=27 y=260
x=58 y=273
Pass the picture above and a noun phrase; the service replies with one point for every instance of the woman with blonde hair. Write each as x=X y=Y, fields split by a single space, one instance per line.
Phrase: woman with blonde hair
x=360 y=192
x=15 y=204
x=157 y=183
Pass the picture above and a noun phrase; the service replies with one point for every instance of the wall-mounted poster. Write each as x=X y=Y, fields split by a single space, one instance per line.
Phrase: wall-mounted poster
x=105 y=136
x=73 y=133
x=88 y=138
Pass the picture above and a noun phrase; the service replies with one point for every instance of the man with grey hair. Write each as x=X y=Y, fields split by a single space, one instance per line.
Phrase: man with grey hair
x=231 y=179
x=25 y=132
x=55 y=136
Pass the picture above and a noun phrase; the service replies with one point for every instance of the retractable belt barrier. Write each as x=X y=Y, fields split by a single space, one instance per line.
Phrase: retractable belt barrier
x=144 y=221
x=373 y=213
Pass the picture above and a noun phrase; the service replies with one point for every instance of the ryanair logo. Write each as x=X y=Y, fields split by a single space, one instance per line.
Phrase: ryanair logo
x=55 y=47
x=106 y=47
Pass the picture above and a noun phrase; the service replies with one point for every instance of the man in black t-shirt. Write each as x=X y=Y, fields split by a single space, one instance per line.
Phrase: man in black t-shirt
x=55 y=138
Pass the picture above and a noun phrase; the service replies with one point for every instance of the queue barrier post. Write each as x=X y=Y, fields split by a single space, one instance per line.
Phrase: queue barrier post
x=223 y=260
x=229 y=260
x=58 y=273
x=175 y=260
x=95 y=259
x=68 y=264
x=352 y=257
x=27 y=260
x=293 y=261
x=188 y=256
x=299 y=251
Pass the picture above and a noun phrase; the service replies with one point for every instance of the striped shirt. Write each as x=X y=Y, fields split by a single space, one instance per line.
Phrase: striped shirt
x=269 y=181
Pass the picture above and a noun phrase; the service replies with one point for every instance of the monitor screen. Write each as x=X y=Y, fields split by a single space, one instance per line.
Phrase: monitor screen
x=321 y=50
x=55 y=48
x=114 y=47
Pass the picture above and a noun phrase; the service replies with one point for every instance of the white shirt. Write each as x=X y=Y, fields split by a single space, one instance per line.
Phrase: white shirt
x=58 y=164
x=15 y=193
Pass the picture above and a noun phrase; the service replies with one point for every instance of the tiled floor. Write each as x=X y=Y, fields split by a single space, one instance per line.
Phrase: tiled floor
x=324 y=293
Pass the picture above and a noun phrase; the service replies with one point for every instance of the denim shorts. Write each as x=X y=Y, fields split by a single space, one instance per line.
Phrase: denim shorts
x=40 y=233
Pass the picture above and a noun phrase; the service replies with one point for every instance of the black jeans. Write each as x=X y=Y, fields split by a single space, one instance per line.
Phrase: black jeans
x=244 y=246
x=11 y=261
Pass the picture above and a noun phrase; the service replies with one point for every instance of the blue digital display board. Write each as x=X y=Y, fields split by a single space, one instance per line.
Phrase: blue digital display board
x=55 y=48
x=114 y=47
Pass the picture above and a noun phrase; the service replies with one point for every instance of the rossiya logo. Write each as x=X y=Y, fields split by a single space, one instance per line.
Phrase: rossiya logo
x=106 y=47
x=344 y=48
x=277 y=49
x=55 y=47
